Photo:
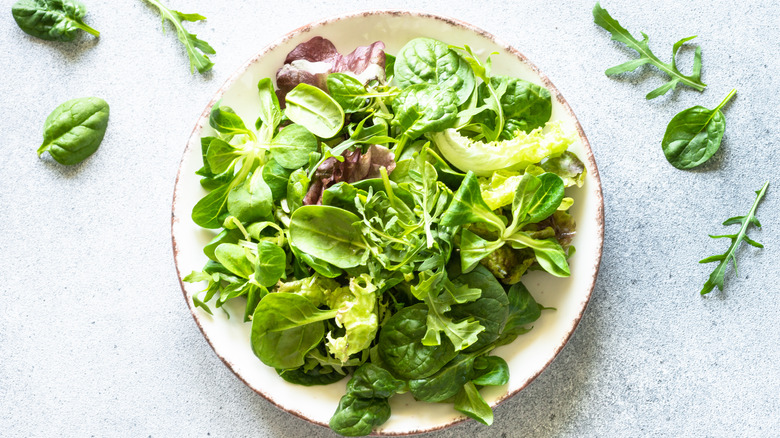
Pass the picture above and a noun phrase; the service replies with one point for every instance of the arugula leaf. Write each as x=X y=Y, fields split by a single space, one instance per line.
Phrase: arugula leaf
x=646 y=56
x=53 y=20
x=716 y=278
x=693 y=136
x=196 y=48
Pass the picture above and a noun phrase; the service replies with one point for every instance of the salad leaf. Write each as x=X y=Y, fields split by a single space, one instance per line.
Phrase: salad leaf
x=693 y=136
x=53 y=20
x=357 y=314
x=285 y=327
x=646 y=56
x=373 y=381
x=356 y=416
x=524 y=149
x=490 y=371
x=328 y=233
x=428 y=61
x=470 y=402
x=424 y=108
x=446 y=383
x=312 y=61
x=717 y=276
x=75 y=129
x=197 y=49
x=315 y=110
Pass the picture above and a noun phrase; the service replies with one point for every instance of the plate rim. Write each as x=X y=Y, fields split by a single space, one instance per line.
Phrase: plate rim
x=589 y=157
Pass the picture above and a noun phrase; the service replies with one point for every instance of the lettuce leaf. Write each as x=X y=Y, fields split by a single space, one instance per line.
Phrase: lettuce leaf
x=524 y=149
x=357 y=314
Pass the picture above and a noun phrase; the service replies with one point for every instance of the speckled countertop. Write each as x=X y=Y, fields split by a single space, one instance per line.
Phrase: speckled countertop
x=96 y=340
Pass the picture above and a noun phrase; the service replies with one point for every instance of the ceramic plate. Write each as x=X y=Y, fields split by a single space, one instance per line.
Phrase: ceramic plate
x=527 y=356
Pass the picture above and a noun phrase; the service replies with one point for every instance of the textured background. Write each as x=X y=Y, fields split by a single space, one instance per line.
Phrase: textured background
x=96 y=340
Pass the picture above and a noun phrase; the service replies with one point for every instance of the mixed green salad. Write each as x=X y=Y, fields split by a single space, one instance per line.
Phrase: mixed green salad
x=378 y=217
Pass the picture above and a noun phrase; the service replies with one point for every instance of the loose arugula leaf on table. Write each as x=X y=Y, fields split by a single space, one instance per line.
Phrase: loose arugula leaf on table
x=53 y=20
x=75 y=129
x=717 y=276
x=646 y=56
x=197 y=49
x=694 y=135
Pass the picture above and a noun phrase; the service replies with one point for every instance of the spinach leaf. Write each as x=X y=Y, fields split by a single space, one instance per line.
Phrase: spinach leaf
x=446 y=383
x=490 y=371
x=311 y=107
x=270 y=264
x=250 y=200
x=428 y=61
x=490 y=310
x=470 y=402
x=347 y=91
x=716 y=278
x=523 y=310
x=357 y=416
x=316 y=376
x=285 y=327
x=236 y=259
x=292 y=145
x=646 y=56
x=328 y=233
x=74 y=130
x=53 y=20
x=401 y=347
x=526 y=106
x=424 y=108
x=694 y=135
x=373 y=381
x=197 y=49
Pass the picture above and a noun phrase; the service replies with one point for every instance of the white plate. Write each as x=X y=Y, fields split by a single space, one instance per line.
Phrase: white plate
x=527 y=356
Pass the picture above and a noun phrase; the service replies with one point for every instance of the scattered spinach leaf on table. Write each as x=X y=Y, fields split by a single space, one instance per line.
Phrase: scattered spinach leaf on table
x=75 y=129
x=197 y=49
x=53 y=20
x=694 y=135
x=717 y=276
x=646 y=56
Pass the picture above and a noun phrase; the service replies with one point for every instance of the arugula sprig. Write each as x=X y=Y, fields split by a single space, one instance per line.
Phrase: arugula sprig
x=197 y=49
x=716 y=278
x=646 y=56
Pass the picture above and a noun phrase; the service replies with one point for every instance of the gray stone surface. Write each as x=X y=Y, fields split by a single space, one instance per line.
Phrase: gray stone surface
x=95 y=339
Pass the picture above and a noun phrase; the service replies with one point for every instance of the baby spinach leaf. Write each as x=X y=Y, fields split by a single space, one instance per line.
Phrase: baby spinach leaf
x=357 y=416
x=270 y=264
x=693 y=136
x=646 y=56
x=74 y=130
x=328 y=233
x=315 y=110
x=348 y=91
x=235 y=258
x=717 y=276
x=470 y=402
x=401 y=348
x=424 y=108
x=526 y=106
x=212 y=208
x=317 y=376
x=250 y=200
x=428 y=61
x=373 y=381
x=467 y=207
x=523 y=310
x=53 y=20
x=197 y=49
x=285 y=327
x=490 y=371
x=446 y=383
x=490 y=310
x=292 y=145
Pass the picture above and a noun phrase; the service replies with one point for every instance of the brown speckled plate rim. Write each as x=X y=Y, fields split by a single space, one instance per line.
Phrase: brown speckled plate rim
x=454 y=22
